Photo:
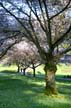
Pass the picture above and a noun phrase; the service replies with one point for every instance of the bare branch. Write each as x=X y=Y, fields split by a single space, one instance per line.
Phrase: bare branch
x=35 y=66
x=8 y=37
x=6 y=50
x=34 y=33
x=61 y=10
x=9 y=30
x=66 y=50
x=27 y=30
x=35 y=13
x=18 y=8
x=42 y=12
x=48 y=32
x=61 y=39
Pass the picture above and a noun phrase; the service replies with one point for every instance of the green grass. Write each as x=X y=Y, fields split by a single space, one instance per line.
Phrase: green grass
x=62 y=69
x=23 y=92
x=17 y=91
x=10 y=68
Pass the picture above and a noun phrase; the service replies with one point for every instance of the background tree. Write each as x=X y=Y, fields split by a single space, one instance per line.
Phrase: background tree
x=24 y=55
x=39 y=17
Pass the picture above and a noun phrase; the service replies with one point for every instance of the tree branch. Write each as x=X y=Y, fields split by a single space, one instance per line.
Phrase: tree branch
x=61 y=39
x=9 y=30
x=34 y=34
x=18 y=8
x=8 y=37
x=67 y=50
x=42 y=12
x=27 y=30
x=61 y=10
x=38 y=19
x=48 y=32
x=35 y=66
x=6 y=50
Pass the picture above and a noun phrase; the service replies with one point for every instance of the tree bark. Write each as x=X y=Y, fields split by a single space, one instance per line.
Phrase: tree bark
x=50 y=70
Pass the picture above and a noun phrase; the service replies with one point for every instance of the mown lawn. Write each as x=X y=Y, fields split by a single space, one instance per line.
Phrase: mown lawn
x=23 y=92
x=18 y=91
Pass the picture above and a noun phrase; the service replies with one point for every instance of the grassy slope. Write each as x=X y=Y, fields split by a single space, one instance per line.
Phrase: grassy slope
x=22 y=92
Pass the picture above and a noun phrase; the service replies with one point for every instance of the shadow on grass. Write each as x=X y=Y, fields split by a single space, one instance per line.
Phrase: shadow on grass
x=8 y=72
x=64 y=84
x=23 y=92
x=65 y=89
x=62 y=79
x=22 y=82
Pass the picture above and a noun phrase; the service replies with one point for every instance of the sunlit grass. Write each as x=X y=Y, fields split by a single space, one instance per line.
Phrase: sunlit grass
x=9 y=68
x=24 y=92
x=62 y=69
x=17 y=91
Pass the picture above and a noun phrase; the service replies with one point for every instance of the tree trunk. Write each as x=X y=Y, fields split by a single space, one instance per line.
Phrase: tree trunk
x=50 y=70
x=24 y=71
x=33 y=70
x=18 y=68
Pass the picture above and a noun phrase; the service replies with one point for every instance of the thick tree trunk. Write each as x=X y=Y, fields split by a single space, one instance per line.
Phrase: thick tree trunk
x=50 y=70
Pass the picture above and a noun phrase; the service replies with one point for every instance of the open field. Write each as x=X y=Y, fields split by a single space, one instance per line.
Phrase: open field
x=18 y=91
x=62 y=69
x=22 y=92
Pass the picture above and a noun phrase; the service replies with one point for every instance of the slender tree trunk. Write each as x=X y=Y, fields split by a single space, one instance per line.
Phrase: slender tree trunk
x=24 y=71
x=18 y=68
x=33 y=70
x=50 y=70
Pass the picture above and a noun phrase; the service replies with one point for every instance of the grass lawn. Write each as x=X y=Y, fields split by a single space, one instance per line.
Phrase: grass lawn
x=17 y=91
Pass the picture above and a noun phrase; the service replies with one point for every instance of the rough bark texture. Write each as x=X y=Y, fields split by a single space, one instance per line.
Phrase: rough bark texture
x=50 y=70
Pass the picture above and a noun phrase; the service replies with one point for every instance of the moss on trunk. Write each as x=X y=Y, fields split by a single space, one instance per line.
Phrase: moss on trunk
x=50 y=70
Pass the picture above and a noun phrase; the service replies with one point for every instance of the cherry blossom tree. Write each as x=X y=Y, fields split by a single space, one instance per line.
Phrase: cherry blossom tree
x=37 y=25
